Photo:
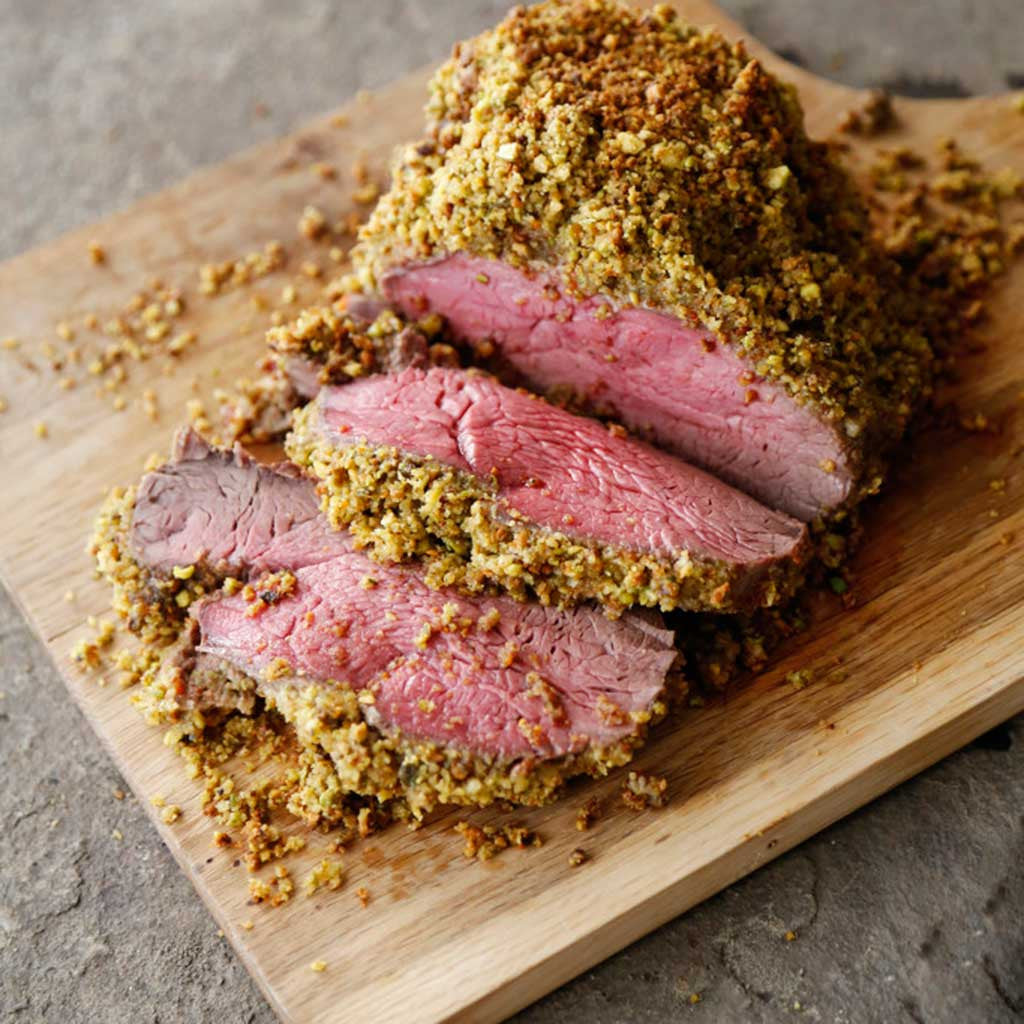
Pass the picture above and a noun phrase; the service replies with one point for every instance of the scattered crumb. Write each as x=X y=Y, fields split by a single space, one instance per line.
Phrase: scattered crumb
x=641 y=791
x=790 y=936
x=800 y=678
x=276 y=892
x=319 y=966
x=215 y=277
x=222 y=840
x=171 y=814
x=312 y=223
x=873 y=117
x=485 y=842
x=119 y=794
x=42 y=430
x=367 y=193
x=158 y=800
x=363 y=896
x=265 y=843
x=117 y=835
x=588 y=814
x=577 y=857
x=97 y=254
x=328 y=874
x=247 y=926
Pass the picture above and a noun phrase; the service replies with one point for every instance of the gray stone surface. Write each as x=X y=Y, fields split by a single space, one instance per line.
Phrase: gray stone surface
x=910 y=910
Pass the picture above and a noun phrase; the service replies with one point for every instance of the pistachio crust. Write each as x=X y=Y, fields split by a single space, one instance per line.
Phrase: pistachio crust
x=404 y=507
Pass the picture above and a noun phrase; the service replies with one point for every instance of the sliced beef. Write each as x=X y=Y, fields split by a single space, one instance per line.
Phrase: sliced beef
x=491 y=677
x=226 y=514
x=524 y=493
x=672 y=382
x=481 y=677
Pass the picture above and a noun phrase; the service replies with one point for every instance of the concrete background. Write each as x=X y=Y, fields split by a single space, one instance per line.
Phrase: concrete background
x=911 y=910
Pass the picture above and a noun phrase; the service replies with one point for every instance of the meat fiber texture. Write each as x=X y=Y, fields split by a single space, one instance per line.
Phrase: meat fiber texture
x=492 y=677
x=526 y=494
x=227 y=515
x=627 y=209
x=486 y=683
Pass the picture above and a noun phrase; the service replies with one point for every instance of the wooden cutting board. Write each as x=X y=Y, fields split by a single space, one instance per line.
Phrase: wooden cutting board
x=934 y=651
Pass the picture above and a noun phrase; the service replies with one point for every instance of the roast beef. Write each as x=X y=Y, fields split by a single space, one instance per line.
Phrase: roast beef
x=527 y=495
x=511 y=698
x=627 y=209
x=492 y=677
x=227 y=515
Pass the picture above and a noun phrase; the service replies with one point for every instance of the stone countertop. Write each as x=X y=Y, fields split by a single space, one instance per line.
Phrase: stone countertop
x=910 y=910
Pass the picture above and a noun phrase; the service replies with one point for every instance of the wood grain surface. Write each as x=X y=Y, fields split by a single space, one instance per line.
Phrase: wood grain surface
x=933 y=652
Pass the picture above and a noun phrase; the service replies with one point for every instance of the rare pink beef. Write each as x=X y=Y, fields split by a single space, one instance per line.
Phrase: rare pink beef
x=659 y=376
x=563 y=472
x=538 y=683
x=227 y=513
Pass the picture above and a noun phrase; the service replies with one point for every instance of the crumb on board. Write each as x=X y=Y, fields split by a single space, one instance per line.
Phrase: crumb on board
x=313 y=223
x=588 y=814
x=97 y=254
x=485 y=842
x=800 y=678
x=215 y=278
x=643 y=790
x=170 y=814
x=318 y=966
x=577 y=857
x=276 y=891
x=363 y=895
x=328 y=874
x=872 y=117
x=88 y=652
x=265 y=843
